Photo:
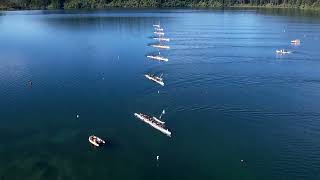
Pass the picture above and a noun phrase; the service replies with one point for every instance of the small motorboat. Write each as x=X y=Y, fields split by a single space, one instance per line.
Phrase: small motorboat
x=295 y=42
x=96 y=141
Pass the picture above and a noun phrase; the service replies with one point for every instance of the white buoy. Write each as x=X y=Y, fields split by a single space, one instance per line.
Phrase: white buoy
x=157 y=158
x=78 y=116
x=158 y=92
x=241 y=160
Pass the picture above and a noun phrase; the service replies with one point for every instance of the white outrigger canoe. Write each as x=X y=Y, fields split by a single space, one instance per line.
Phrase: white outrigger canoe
x=160 y=46
x=282 y=51
x=156 y=79
x=159 y=33
x=96 y=141
x=158 y=29
x=159 y=58
x=161 y=39
x=153 y=122
x=156 y=25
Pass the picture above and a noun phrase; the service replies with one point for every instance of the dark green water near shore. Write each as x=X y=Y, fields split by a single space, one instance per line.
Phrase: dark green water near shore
x=228 y=96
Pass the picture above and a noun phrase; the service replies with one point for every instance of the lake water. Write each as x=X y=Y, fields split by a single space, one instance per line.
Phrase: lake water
x=228 y=97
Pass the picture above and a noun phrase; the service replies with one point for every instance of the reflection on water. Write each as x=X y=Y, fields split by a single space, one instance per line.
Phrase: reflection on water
x=228 y=96
x=101 y=22
x=289 y=12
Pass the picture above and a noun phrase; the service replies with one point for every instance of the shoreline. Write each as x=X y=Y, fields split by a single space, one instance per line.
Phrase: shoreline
x=282 y=6
x=233 y=7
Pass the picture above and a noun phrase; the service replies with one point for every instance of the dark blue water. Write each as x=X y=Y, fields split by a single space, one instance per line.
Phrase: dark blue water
x=228 y=97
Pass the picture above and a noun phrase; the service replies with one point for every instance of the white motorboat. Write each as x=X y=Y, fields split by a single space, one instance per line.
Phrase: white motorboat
x=96 y=141
x=295 y=42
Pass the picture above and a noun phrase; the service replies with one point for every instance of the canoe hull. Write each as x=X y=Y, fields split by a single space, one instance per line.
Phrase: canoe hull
x=164 y=131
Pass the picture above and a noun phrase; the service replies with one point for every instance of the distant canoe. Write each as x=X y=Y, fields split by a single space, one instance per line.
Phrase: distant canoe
x=160 y=46
x=282 y=51
x=159 y=33
x=162 y=39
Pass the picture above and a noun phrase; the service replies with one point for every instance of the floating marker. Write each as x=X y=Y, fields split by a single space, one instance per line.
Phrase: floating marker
x=162 y=113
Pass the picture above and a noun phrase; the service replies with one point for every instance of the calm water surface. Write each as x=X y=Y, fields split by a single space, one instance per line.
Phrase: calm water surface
x=228 y=96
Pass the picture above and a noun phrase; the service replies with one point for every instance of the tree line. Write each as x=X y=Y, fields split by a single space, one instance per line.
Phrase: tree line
x=92 y=4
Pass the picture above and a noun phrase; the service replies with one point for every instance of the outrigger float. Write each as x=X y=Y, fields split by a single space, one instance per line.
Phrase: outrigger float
x=154 y=122
x=154 y=78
